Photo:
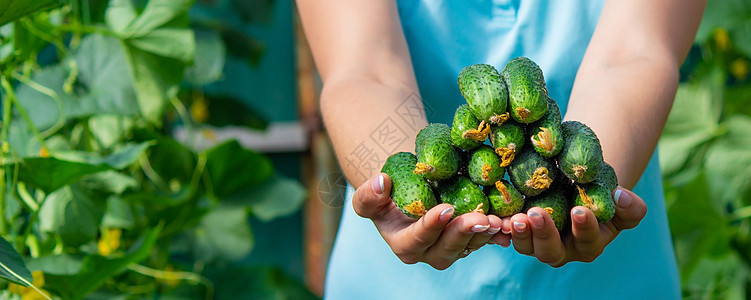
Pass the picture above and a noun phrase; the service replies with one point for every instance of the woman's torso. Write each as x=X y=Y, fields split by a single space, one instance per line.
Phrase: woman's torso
x=443 y=37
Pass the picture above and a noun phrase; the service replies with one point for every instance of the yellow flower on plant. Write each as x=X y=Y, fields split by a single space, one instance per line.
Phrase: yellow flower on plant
x=739 y=68
x=27 y=292
x=722 y=38
x=199 y=109
x=109 y=241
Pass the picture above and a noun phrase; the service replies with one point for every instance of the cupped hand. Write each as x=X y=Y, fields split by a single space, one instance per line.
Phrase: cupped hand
x=535 y=234
x=435 y=238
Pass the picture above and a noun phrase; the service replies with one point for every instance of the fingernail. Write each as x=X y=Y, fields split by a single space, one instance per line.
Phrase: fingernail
x=480 y=228
x=622 y=199
x=519 y=226
x=506 y=231
x=579 y=215
x=536 y=220
x=492 y=230
x=446 y=214
x=377 y=185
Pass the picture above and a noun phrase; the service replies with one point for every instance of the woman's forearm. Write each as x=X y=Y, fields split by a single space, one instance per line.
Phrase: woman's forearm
x=370 y=102
x=367 y=120
x=627 y=80
x=627 y=106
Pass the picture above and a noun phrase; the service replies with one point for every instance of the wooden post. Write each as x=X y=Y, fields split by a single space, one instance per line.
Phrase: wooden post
x=323 y=177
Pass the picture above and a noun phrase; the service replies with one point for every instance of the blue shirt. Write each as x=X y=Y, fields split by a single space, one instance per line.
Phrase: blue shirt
x=444 y=37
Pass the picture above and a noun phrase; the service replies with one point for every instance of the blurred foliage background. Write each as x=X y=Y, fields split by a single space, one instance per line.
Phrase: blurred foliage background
x=97 y=199
x=705 y=156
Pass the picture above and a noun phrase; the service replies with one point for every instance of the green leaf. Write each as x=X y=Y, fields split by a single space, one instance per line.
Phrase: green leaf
x=119 y=14
x=172 y=160
x=13 y=205
x=6 y=45
x=70 y=213
x=108 y=181
x=49 y=173
x=691 y=123
x=736 y=100
x=155 y=79
x=12 y=266
x=692 y=207
x=276 y=197
x=58 y=264
x=689 y=212
x=14 y=9
x=176 y=43
x=154 y=15
x=126 y=155
x=100 y=87
x=43 y=110
x=722 y=14
x=96 y=270
x=118 y=214
x=728 y=160
x=223 y=233
x=102 y=65
x=209 y=59
x=721 y=277
x=22 y=141
x=109 y=130
x=156 y=52
x=232 y=167
x=741 y=36
x=160 y=199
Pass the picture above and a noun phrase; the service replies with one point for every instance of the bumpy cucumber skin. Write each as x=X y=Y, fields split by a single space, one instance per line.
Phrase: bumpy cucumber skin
x=484 y=155
x=608 y=178
x=463 y=194
x=498 y=204
x=431 y=130
x=434 y=148
x=526 y=89
x=407 y=187
x=464 y=120
x=600 y=191
x=524 y=166
x=507 y=133
x=554 y=198
x=485 y=92
x=581 y=147
x=602 y=204
x=552 y=122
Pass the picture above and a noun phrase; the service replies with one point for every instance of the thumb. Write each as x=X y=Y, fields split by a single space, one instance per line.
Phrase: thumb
x=630 y=209
x=373 y=197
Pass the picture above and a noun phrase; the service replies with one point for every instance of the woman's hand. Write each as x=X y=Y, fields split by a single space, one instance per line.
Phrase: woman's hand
x=434 y=238
x=534 y=233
